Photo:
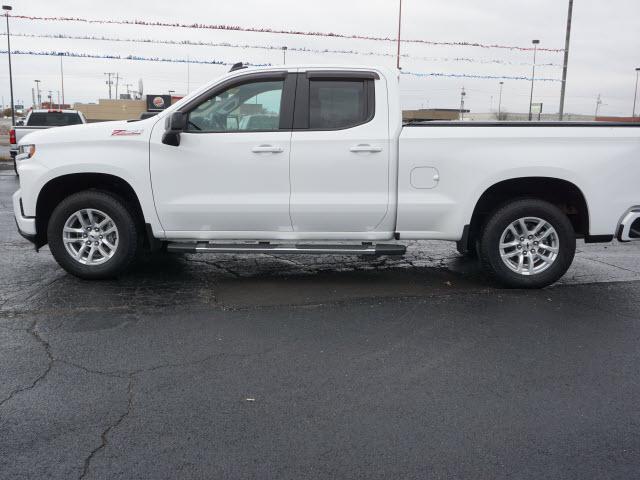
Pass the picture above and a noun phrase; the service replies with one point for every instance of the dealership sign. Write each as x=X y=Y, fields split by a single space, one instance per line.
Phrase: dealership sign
x=158 y=102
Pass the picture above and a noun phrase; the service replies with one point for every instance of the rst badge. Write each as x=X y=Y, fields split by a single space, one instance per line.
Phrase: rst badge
x=126 y=133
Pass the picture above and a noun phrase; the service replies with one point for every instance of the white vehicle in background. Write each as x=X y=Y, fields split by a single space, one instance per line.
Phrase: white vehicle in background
x=327 y=160
x=39 y=120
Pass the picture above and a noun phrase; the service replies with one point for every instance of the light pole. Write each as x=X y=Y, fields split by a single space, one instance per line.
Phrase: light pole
x=7 y=9
x=565 y=67
x=635 y=96
x=39 y=98
x=284 y=55
x=500 y=102
x=62 y=77
x=399 y=33
x=462 y=95
x=533 y=77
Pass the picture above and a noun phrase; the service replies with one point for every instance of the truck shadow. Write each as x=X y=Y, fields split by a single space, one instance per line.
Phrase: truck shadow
x=258 y=280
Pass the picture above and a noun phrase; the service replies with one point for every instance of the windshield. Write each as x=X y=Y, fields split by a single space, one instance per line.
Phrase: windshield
x=53 y=119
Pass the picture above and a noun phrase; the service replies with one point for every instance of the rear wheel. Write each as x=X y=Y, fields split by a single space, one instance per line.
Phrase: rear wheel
x=527 y=244
x=93 y=235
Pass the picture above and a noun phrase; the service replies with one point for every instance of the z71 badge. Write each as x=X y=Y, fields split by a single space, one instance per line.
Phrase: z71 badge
x=126 y=133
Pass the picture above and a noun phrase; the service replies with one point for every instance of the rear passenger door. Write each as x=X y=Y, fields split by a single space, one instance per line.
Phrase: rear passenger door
x=339 y=154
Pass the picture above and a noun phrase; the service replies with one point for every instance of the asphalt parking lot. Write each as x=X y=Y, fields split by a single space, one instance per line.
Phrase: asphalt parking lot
x=300 y=367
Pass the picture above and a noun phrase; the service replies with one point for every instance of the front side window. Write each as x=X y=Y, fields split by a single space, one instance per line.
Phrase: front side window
x=248 y=107
x=337 y=104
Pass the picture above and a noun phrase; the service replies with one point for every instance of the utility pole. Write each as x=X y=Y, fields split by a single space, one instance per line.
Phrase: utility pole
x=500 y=102
x=533 y=77
x=188 y=75
x=59 y=106
x=565 y=67
x=462 y=95
x=635 y=96
x=7 y=9
x=118 y=78
x=39 y=96
x=598 y=105
x=109 y=82
x=284 y=55
x=128 y=89
x=399 y=34
x=61 y=78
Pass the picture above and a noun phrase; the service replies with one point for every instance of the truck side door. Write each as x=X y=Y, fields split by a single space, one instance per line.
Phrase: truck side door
x=229 y=177
x=339 y=154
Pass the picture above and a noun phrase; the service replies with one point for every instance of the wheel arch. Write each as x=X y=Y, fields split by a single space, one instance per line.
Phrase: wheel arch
x=61 y=187
x=564 y=194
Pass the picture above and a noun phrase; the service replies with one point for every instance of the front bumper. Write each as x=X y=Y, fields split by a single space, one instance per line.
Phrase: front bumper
x=26 y=225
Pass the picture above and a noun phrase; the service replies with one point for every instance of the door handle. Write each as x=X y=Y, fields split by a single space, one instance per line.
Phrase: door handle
x=267 y=149
x=365 y=148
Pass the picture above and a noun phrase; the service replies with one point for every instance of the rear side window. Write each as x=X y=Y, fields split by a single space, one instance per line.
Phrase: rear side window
x=339 y=104
x=53 y=119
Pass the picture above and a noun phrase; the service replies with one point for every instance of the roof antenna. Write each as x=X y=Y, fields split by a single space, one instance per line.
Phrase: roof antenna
x=238 y=66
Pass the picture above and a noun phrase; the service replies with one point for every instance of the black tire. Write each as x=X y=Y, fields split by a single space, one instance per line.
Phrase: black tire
x=124 y=219
x=498 y=222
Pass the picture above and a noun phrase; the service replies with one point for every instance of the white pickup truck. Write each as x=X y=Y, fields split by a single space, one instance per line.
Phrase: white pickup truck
x=316 y=160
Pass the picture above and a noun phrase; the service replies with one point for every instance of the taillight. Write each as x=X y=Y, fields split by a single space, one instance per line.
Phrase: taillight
x=12 y=136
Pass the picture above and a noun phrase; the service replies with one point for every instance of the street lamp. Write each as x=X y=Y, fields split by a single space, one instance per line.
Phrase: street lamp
x=7 y=9
x=533 y=77
x=38 y=93
x=565 y=66
x=500 y=102
x=399 y=34
x=635 y=96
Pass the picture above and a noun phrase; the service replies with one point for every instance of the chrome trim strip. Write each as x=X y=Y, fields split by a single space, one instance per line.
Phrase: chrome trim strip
x=267 y=248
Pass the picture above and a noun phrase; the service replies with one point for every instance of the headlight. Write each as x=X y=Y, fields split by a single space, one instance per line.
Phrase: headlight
x=25 y=152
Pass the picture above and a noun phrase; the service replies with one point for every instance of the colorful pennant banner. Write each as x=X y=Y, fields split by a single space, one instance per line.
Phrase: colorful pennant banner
x=54 y=53
x=315 y=51
x=237 y=28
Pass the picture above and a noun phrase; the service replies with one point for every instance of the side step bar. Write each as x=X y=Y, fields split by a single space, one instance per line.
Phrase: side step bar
x=309 y=249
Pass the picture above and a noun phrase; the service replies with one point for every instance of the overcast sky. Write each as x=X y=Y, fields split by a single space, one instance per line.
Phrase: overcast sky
x=605 y=47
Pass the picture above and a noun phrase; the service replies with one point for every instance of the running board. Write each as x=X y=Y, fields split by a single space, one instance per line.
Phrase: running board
x=309 y=249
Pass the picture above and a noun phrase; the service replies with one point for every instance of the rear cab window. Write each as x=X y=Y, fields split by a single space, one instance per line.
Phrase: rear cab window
x=337 y=104
x=53 y=119
x=335 y=100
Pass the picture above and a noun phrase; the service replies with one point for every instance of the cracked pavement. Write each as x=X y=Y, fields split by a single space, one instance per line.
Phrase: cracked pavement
x=221 y=366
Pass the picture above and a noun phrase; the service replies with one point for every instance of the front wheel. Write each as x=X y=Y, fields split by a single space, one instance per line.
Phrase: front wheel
x=527 y=244
x=93 y=235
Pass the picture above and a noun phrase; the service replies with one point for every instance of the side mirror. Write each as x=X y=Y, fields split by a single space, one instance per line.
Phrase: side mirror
x=174 y=124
